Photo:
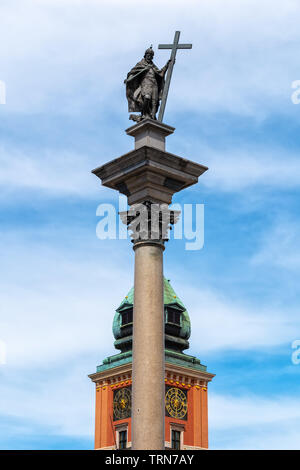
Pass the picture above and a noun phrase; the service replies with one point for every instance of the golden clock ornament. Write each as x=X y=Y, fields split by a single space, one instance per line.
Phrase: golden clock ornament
x=176 y=403
x=122 y=403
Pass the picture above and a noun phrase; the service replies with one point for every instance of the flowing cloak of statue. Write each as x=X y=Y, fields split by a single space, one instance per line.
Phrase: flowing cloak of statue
x=133 y=84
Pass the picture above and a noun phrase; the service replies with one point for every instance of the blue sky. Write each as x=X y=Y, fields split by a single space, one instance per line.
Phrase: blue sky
x=64 y=63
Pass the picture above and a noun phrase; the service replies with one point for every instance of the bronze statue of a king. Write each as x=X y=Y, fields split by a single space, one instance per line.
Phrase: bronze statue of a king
x=144 y=87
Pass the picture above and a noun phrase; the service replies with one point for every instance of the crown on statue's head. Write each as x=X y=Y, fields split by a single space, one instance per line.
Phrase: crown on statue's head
x=149 y=51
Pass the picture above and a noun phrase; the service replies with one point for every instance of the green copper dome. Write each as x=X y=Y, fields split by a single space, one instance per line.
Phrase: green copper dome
x=177 y=321
x=177 y=332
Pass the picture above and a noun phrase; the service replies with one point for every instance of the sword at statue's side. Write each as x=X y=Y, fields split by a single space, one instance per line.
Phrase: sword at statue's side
x=174 y=48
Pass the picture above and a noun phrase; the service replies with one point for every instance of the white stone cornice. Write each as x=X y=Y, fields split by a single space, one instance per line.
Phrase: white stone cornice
x=188 y=373
x=126 y=369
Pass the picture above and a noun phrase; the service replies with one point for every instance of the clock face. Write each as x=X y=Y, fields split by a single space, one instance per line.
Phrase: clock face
x=122 y=403
x=176 y=403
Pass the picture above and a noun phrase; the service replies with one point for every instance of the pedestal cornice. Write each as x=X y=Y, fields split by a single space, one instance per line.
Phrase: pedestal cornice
x=149 y=174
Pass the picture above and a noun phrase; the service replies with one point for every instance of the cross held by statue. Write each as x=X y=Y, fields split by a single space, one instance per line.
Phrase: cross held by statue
x=173 y=48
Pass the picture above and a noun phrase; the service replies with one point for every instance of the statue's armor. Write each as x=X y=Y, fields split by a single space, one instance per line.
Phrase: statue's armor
x=144 y=88
x=149 y=85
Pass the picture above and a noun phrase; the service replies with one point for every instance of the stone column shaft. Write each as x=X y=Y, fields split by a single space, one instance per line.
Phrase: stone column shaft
x=148 y=348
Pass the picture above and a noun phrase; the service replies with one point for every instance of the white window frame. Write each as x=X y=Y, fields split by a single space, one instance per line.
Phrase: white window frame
x=119 y=428
x=181 y=429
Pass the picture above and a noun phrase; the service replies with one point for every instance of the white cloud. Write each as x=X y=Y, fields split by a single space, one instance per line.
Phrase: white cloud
x=56 y=320
x=254 y=422
x=238 y=170
x=61 y=172
x=60 y=299
x=57 y=312
x=229 y=411
x=225 y=325
x=62 y=55
x=280 y=246
x=55 y=302
x=71 y=57
x=52 y=172
x=59 y=401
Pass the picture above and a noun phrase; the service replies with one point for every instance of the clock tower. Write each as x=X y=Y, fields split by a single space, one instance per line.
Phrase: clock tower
x=186 y=380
